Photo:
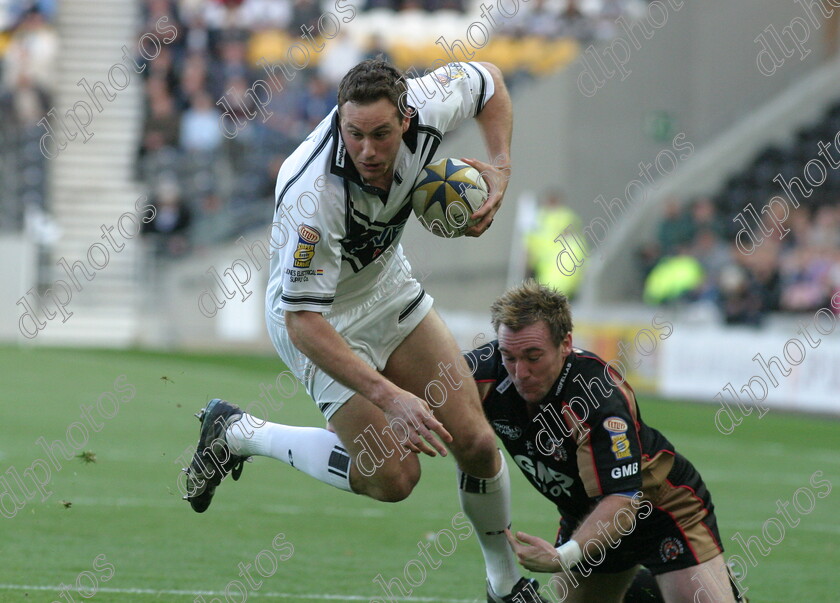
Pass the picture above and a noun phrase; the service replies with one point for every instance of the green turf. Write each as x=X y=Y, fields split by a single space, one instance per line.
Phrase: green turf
x=126 y=505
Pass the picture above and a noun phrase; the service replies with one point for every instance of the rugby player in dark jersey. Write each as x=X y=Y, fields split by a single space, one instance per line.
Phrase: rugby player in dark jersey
x=572 y=425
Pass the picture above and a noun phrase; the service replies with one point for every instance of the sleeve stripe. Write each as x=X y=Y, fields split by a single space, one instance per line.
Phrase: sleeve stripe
x=303 y=299
x=479 y=104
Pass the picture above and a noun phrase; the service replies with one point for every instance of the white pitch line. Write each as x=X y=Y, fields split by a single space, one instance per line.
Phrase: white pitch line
x=190 y=593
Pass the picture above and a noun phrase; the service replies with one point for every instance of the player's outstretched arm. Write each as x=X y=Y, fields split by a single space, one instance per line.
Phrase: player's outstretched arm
x=496 y=124
x=320 y=342
x=538 y=555
x=600 y=524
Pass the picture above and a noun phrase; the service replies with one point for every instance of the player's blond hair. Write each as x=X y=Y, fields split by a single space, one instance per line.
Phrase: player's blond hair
x=530 y=303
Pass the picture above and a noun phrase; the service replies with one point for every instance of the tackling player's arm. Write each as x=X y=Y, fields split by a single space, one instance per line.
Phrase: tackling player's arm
x=496 y=124
x=539 y=555
x=320 y=342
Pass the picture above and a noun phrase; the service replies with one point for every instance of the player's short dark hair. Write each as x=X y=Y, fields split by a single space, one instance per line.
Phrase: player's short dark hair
x=371 y=80
x=530 y=303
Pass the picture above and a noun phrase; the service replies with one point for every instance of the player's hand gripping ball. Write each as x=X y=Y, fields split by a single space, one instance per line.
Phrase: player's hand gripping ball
x=446 y=193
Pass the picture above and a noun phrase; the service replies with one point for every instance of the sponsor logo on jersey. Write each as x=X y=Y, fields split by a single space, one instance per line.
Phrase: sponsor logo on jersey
x=449 y=73
x=625 y=470
x=505 y=429
x=309 y=234
x=670 y=548
x=504 y=385
x=620 y=446
x=615 y=425
x=558 y=453
x=547 y=480
x=339 y=154
x=308 y=237
x=617 y=428
x=456 y=71
x=563 y=377
x=302 y=276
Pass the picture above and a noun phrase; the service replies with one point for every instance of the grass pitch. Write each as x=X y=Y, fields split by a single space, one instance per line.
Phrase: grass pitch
x=117 y=528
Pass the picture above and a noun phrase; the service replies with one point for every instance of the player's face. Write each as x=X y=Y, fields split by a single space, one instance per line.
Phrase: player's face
x=532 y=359
x=372 y=134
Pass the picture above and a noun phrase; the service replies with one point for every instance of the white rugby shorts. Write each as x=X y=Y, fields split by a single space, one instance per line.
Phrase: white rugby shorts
x=373 y=327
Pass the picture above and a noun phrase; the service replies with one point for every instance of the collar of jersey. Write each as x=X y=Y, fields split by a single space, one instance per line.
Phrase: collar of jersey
x=341 y=166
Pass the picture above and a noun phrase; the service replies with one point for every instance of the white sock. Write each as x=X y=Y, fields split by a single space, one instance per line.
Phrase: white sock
x=317 y=452
x=486 y=502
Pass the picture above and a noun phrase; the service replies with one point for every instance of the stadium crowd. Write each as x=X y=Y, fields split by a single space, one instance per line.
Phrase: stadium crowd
x=210 y=187
x=28 y=47
x=218 y=185
x=694 y=259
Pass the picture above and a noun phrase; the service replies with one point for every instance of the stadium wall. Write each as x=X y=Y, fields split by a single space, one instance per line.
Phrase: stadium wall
x=696 y=75
x=18 y=276
x=790 y=365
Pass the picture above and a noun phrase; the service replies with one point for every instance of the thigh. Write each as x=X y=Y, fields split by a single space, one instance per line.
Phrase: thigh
x=708 y=581
x=429 y=364
x=572 y=587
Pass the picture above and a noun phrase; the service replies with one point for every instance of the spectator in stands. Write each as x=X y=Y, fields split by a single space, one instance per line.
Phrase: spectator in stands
x=172 y=218
x=163 y=123
x=575 y=24
x=714 y=255
x=704 y=216
x=544 y=19
x=377 y=48
x=258 y=14
x=305 y=12
x=318 y=100
x=285 y=127
x=232 y=66
x=200 y=125
x=740 y=302
x=239 y=105
x=341 y=54
x=825 y=232
x=153 y=11
x=606 y=24
x=29 y=62
x=675 y=229
x=675 y=278
x=805 y=279
x=554 y=218
x=193 y=79
x=163 y=68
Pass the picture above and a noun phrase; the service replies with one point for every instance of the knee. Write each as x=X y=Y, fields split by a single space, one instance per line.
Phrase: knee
x=393 y=492
x=393 y=484
x=477 y=453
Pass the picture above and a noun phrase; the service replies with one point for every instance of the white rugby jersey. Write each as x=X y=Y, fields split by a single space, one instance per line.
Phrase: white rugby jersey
x=329 y=227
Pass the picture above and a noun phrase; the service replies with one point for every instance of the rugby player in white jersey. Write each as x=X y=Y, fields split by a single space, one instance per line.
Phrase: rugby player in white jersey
x=350 y=321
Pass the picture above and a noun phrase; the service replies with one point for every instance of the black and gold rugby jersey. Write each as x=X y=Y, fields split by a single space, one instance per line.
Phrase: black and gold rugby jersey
x=588 y=438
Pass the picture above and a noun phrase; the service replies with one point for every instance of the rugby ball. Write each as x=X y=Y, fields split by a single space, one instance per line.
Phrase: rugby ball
x=446 y=194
